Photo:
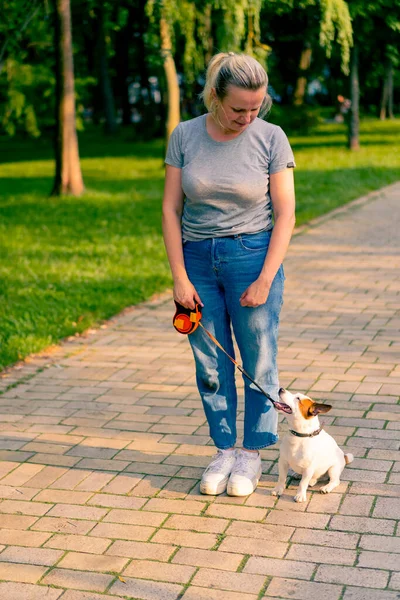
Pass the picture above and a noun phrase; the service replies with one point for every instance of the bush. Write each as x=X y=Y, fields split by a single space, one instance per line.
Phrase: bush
x=299 y=119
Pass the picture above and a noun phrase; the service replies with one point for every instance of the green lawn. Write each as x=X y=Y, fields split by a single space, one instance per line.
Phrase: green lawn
x=329 y=175
x=68 y=263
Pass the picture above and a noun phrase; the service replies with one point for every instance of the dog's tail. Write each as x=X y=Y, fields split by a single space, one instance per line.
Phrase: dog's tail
x=348 y=458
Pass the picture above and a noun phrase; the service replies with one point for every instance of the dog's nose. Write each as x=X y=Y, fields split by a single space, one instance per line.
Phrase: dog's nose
x=281 y=390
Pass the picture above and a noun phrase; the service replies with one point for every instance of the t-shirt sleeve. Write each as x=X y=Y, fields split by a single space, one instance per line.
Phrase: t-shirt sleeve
x=174 y=155
x=281 y=154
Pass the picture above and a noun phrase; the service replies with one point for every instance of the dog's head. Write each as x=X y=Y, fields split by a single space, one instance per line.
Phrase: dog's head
x=299 y=405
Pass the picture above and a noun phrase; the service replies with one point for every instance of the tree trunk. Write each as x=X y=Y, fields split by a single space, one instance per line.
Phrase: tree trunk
x=146 y=105
x=104 y=75
x=354 y=119
x=208 y=33
x=68 y=176
x=123 y=42
x=391 y=92
x=173 y=116
x=301 y=83
x=387 y=91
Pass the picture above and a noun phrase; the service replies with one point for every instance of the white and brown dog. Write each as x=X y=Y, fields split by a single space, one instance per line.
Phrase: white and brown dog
x=307 y=449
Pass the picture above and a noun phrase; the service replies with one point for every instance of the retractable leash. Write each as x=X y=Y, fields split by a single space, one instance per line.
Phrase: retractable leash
x=187 y=320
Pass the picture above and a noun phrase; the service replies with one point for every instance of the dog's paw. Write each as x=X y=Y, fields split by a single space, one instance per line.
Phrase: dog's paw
x=300 y=497
x=278 y=491
x=312 y=482
x=325 y=489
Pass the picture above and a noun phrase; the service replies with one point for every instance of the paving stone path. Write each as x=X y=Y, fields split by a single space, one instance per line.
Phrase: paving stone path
x=103 y=442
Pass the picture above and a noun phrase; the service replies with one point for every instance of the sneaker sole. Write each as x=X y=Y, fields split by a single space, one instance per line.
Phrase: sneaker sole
x=232 y=491
x=212 y=490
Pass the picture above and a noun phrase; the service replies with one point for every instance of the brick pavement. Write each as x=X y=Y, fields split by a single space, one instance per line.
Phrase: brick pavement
x=103 y=441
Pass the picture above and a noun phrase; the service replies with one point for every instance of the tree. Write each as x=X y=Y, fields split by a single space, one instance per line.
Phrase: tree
x=166 y=16
x=354 y=120
x=304 y=66
x=23 y=82
x=234 y=25
x=132 y=15
x=173 y=115
x=291 y=37
x=107 y=94
x=307 y=26
x=389 y=33
x=238 y=27
x=378 y=21
x=387 y=90
x=68 y=176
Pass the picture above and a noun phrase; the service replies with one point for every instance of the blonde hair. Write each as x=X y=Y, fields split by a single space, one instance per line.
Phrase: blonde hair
x=240 y=70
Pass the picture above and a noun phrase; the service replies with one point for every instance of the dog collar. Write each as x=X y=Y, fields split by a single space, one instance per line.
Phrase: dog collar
x=314 y=433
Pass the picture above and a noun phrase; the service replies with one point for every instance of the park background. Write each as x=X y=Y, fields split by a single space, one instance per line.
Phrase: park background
x=89 y=92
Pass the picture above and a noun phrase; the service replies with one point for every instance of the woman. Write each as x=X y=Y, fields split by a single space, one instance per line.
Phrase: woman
x=228 y=216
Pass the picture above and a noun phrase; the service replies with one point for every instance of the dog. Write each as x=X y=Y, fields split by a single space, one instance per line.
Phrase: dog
x=307 y=449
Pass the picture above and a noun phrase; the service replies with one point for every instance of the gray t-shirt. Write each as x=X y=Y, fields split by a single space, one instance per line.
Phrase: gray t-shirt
x=226 y=184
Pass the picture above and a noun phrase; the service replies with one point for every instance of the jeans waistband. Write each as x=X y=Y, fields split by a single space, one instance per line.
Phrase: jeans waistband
x=234 y=236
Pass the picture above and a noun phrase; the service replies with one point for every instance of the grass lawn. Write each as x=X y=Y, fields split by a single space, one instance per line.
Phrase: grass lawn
x=68 y=263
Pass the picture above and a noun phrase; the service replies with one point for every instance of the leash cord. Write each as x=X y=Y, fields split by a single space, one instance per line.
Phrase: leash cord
x=241 y=369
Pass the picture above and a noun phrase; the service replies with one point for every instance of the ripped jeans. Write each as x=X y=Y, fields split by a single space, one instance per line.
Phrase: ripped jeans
x=221 y=269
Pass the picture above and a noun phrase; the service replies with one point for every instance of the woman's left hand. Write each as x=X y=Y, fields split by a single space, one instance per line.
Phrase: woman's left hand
x=256 y=294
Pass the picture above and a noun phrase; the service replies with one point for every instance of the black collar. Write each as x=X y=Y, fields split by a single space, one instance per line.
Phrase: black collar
x=314 y=433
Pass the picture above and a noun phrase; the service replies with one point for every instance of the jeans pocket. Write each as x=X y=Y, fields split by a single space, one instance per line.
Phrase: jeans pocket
x=255 y=241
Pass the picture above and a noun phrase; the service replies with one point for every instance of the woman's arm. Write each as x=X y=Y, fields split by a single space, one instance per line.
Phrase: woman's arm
x=184 y=291
x=283 y=203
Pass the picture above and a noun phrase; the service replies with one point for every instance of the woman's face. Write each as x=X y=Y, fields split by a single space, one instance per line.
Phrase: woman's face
x=240 y=107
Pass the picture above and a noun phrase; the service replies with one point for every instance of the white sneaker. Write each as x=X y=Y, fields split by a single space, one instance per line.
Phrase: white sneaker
x=215 y=477
x=245 y=474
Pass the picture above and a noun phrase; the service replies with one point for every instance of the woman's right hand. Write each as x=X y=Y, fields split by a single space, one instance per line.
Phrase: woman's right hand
x=185 y=293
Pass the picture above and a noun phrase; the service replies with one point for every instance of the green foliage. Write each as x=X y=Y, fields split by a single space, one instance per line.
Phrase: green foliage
x=236 y=24
x=26 y=77
x=240 y=29
x=325 y=21
x=298 y=119
x=336 y=21
x=15 y=17
x=186 y=19
x=232 y=27
x=193 y=58
x=274 y=31
x=25 y=92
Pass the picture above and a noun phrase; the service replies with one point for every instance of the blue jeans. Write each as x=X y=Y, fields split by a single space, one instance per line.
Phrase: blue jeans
x=221 y=269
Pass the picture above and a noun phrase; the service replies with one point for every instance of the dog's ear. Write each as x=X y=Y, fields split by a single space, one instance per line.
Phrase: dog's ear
x=317 y=408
